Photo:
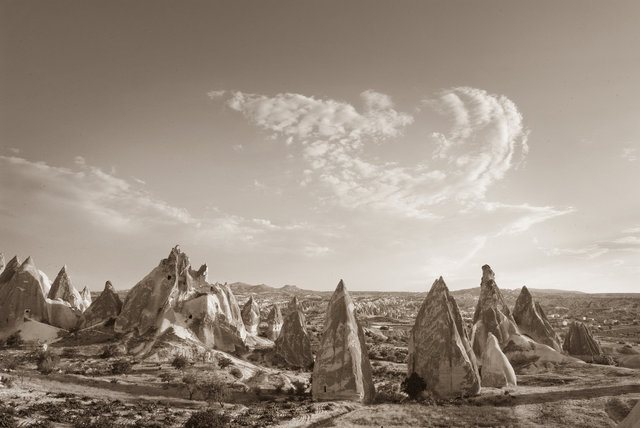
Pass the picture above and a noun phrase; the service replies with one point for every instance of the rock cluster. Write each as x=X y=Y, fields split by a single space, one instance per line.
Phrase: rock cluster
x=251 y=316
x=293 y=344
x=274 y=322
x=107 y=306
x=580 y=343
x=342 y=370
x=533 y=322
x=439 y=350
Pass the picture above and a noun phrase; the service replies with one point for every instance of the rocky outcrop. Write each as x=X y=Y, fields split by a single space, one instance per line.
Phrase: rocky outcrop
x=632 y=420
x=2 y=262
x=85 y=294
x=580 y=343
x=495 y=369
x=175 y=296
x=492 y=315
x=532 y=321
x=9 y=270
x=342 y=370
x=293 y=344
x=63 y=289
x=107 y=306
x=251 y=316
x=439 y=350
x=274 y=322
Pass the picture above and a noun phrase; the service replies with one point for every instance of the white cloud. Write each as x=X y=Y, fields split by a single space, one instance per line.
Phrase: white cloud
x=525 y=215
x=316 y=250
x=630 y=154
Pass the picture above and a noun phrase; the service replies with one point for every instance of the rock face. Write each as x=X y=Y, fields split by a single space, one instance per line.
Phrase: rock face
x=175 y=296
x=85 y=294
x=107 y=306
x=633 y=418
x=9 y=270
x=251 y=316
x=579 y=342
x=2 y=262
x=492 y=315
x=63 y=289
x=496 y=370
x=532 y=321
x=274 y=322
x=439 y=350
x=342 y=370
x=293 y=344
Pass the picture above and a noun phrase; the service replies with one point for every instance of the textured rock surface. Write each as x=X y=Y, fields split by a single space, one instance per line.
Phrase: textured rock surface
x=24 y=290
x=496 y=370
x=633 y=418
x=532 y=321
x=293 y=344
x=85 y=294
x=9 y=270
x=155 y=297
x=251 y=316
x=2 y=263
x=274 y=322
x=342 y=370
x=108 y=305
x=580 y=342
x=439 y=350
x=492 y=315
x=63 y=289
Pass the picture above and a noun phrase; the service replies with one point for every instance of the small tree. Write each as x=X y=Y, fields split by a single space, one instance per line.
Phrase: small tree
x=207 y=419
x=215 y=391
x=47 y=361
x=15 y=340
x=413 y=386
x=180 y=362
x=224 y=362
x=119 y=367
x=190 y=382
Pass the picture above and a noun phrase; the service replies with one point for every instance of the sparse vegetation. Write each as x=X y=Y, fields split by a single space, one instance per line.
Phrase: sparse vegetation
x=214 y=390
x=122 y=366
x=47 y=362
x=413 y=386
x=180 y=362
x=14 y=340
x=224 y=362
x=207 y=419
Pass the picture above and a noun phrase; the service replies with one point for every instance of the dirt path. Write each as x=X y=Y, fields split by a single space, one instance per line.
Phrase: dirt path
x=572 y=394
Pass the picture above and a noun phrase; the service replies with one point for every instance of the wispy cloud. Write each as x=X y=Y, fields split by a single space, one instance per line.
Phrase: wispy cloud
x=630 y=154
x=627 y=241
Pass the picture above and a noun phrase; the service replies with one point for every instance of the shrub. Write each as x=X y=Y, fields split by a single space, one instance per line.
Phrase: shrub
x=215 y=391
x=236 y=372
x=190 y=382
x=166 y=377
x=7 y=419
x=207 y=419
x=109 y=351
x=299 y=387
x=14 y=340
x=47 y=361
x=180 y=362
x=413 y=386
x=7 y=382
x=121 y=367
x=224 y=362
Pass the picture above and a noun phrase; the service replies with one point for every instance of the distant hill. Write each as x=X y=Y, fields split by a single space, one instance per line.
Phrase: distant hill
x=475 y=291
x=243 y=288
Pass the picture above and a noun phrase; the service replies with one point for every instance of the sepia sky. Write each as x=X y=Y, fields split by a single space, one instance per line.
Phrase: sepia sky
x=300 y=142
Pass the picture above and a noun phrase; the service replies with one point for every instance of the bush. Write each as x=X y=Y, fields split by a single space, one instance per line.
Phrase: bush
x=14 y=340
x=121 y=367
x=109 y=351
x=413 y=386
x=190 y=382
x=224 y=362
x=215 y=391
x=299 y=387
x=180 y=362
x=207 y=419
x=236 y=372
x=47 y=362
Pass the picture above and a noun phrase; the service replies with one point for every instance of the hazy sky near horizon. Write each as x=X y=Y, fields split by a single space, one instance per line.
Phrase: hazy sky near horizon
x=385 y=143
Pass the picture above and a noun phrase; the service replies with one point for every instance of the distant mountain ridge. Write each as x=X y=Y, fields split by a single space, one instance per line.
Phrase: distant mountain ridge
x=241 y=287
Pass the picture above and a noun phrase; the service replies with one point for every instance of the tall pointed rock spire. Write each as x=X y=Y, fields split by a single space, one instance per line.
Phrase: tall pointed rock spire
x=342 y=370
x=63 y=289
x=293 y=344
x=533 y=322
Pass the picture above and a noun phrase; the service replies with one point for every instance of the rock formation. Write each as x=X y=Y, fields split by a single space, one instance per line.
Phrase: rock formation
x=580 y=343
x=107 y=306
x=342 y=370
x=532 y=321
x=63 y=289
x=632 y=420
x=274 y=322
x=2 y=263
x=85 y=294
x=496 y=370
x=293 y=344
x=9 y=270
x=492 y=314
x=439 y=351
x=251 y=316
x=175 y=296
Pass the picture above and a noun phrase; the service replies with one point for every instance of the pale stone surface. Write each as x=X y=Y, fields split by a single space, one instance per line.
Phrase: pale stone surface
x=24 y=289
x=9 y=270
x=85 y=294
x=492 y=315
x=274 y=322
x=342 y=370
x=107 y=306
x=439 y=350
x=63 y=289
x=580 y=342
x=533 y=322
x=293 y=344
x=633 y=418
x=251 y=316
x=2 y=262
x=496 y=370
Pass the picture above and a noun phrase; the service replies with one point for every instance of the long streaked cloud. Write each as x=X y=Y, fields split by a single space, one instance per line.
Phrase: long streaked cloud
x=628 y=241
x=486 y=138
